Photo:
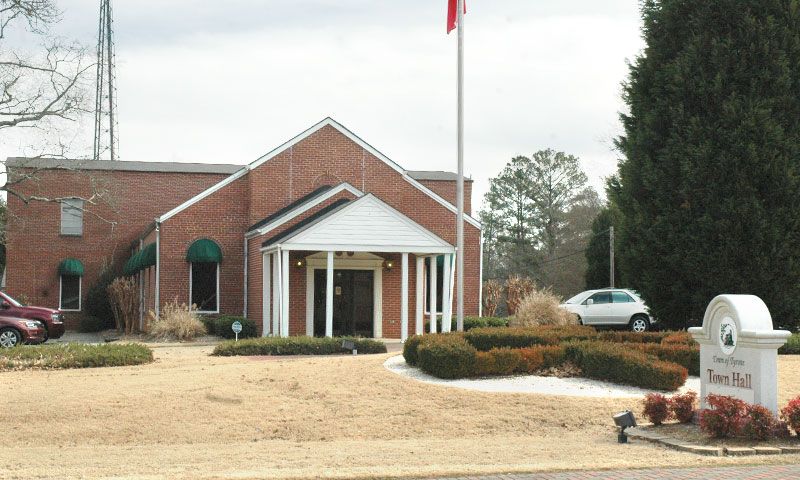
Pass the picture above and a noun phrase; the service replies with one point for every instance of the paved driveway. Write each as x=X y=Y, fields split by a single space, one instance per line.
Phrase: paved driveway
x=728 y=473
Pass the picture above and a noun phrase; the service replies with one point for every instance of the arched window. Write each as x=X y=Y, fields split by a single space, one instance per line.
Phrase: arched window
x=204 y=257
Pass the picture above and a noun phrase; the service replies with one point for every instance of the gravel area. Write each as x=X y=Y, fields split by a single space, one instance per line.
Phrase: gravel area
x=572 y=387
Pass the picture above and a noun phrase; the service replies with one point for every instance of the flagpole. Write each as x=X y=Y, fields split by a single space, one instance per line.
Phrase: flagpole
x=460 y=183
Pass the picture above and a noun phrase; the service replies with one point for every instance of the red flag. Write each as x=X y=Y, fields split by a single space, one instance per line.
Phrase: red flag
x=452 y=14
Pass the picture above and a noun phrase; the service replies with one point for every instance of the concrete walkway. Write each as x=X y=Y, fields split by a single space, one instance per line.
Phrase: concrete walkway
x=728 y=473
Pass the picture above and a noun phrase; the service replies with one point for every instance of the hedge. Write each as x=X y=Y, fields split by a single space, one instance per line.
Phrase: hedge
x=222 y=327
x=295 y=346
x=615 y=362
x=74 y=355
x=687 y=356
x=447 y=356
x=792 y=346
x=485 y=339
x=469 y=323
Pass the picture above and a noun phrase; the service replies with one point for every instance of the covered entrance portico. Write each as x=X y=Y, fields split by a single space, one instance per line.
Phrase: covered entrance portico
x=342 y=254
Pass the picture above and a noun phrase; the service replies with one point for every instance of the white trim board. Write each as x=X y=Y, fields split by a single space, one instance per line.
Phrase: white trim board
x=328 y=121
x=301 y=209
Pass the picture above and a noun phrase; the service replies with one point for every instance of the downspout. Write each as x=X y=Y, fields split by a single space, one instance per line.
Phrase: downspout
x=244 y=312
x=141 y=292
x=480 y=279
x=158 y=268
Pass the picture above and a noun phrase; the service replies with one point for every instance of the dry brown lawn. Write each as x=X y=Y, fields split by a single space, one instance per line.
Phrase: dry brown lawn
x=189 y=415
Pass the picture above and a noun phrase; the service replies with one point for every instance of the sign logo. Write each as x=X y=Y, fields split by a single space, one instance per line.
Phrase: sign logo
x=727 y=335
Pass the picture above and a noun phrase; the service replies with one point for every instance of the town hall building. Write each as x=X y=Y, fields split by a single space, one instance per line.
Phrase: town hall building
x=322 y=236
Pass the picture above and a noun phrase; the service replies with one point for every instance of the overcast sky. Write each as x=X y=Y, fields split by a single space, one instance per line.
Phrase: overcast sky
x=213 y=81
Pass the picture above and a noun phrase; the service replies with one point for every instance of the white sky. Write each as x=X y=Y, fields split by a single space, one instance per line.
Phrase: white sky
x=212 y=81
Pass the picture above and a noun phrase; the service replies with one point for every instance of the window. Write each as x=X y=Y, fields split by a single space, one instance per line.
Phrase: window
x=621 y=297
x=439 y=285
x=70 y=293
x=204 y=286
x=600 y=298
x=72 y=217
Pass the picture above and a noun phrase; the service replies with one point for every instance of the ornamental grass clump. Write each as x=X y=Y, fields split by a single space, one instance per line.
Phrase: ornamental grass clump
x=541 y=307
x=175 y=322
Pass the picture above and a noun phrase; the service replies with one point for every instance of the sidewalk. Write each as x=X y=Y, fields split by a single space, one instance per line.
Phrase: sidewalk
x=728 y=473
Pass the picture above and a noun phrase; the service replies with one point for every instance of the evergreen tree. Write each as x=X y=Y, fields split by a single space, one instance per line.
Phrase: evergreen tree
x=709 y=183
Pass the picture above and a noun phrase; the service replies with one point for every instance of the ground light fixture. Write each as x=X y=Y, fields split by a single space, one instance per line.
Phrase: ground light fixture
x=624 y=420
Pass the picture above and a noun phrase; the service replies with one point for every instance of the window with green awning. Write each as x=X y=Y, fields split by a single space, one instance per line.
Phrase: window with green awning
x=147 y=257
x=71 y=266
x=204 y=251
x=132 y=265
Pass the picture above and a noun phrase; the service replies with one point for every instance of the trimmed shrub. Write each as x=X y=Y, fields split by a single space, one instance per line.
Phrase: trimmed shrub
x=759 y=423
x=222 y=327
x=410 y=349
x=633 y=337
x=684 y=355
x=74 y=355
x=484 y=364
x=208 y=322
x=619 y=364
x=541 y=307
x=485 y=339
x=469 y=323
x=506 y=360
x=792 y=346
x=295 y=346
x=656 y=408
x=682 y=406
x=446 y=356
x=531 y=359
x=552 y=355
x=791 y=414
x=679 y=338
x=90 y=324
x=175 y=322
x=725 y=417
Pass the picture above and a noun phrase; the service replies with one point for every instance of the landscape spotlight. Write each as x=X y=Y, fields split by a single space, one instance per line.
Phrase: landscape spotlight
x=624 y=420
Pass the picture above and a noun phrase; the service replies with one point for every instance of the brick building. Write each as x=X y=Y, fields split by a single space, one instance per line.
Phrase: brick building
x=322 y=236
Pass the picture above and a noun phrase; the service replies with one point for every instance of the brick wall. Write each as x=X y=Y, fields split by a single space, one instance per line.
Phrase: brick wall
x=35 y=246
x=447 y=190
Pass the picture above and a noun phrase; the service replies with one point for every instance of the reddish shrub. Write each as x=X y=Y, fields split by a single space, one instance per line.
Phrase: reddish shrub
x=791 y=414
x=656 y=408
x=506 y=360
x=725 y=417
x=759 y=423
x=531 y=359
x=484 y=364
x=680 y=338
x=682 y=406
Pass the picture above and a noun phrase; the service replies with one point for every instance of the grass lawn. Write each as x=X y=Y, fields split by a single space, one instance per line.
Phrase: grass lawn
x=189 y=415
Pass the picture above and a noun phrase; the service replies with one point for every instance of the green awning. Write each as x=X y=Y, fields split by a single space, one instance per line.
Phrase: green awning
x=70 y=266
x=132 y=265
x=204 y=250
x=147 y=257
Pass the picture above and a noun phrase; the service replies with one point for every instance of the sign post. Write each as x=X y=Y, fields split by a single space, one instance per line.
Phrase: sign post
x=237 y=328
x=739 y=351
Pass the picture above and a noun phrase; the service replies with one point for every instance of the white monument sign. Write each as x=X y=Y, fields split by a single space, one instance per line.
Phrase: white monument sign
x=739 y=350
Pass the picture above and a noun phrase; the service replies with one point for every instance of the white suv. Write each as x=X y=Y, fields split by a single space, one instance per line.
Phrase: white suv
x=611 y=307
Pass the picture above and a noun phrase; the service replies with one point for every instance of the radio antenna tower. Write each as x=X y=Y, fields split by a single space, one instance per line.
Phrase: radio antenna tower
x=105 y=114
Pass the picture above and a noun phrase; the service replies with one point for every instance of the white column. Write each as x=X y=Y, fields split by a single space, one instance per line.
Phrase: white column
x=420 y=295
x=276 y=294
x=447 y=299
x=285 y=293
x=404 y=298
x=432 y=289
x=329 y=297
x=265 y=296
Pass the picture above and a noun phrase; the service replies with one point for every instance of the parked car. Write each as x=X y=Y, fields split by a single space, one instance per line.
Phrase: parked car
x=53 y=320
x=15 y=331
x=613 y=307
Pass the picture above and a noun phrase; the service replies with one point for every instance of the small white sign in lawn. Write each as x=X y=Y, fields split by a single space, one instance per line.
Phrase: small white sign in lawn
x=739 y=350
x=237 y=328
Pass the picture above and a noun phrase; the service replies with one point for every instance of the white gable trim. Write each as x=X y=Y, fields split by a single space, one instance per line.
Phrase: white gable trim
x=297 y=241
x=301 y=209
x=273 y=153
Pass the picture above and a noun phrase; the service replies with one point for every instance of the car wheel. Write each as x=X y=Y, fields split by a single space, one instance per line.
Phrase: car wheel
x=580 y=320
x=46 y=335
x=640 y=324
x=9 y=338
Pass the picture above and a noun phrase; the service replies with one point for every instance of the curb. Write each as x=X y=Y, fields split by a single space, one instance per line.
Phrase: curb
x=683 y=446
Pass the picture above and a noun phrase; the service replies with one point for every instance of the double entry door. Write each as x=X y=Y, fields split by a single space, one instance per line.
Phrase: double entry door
x=352 y=302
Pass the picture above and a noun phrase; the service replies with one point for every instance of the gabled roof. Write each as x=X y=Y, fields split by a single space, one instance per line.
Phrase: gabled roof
x=299 y=207
x=365 y=224
x=120 y=165
x=436 y=175
x=298 y=138
x=306 y=221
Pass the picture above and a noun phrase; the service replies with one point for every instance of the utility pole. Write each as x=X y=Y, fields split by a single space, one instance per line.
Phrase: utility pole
x=611 y=255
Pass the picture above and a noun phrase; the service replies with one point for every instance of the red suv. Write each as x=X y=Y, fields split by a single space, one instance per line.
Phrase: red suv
x=15 y=331
x=53 y=320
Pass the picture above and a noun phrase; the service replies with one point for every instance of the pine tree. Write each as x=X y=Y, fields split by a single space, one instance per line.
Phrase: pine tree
x=709 y=187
